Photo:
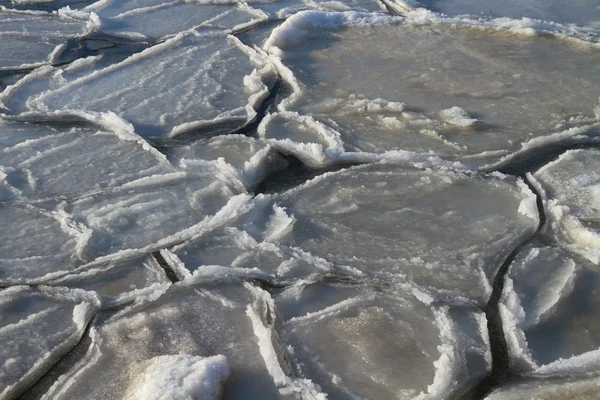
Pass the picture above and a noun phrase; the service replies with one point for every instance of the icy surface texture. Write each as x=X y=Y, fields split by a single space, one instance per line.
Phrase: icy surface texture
x=37 y=328
x=581 y=12
x=554 y=331
x=357 y=342
x=158 y=18
x=186 y=321
x=188 y=82
x=401 y=222
x=119 y=283
x=29 y=39
x=571 y=189
x=299 y=199
x=391 y=83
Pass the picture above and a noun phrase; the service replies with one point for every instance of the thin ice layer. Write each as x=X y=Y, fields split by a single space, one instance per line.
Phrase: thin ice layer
x=161 y=18
x=187 y=320
x=37 y=328
x=67 y=164
x=421 y=84
x=157 y=211
x=119 y=283
x=36 y=245
x=28 y=39
x=355 y=342
x=581 y=12
x=572 y=188
x=188 y=82
x=437 y=227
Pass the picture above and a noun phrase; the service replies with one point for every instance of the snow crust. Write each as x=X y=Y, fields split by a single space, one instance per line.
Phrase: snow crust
x=179 y=377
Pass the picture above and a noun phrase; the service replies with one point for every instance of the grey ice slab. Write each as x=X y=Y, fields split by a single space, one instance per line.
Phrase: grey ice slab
x=395 y=84
x=36 y=245
x=28 y=39
x=355 y=342
x=188 y=82
x=581 y=12
x=572 y=187
x=156 y=212
x=69 y=163
x=186 y=321
x=119 y=283
x=161 y=18
x=440 y=228
x=549 y=308
x=37 y=328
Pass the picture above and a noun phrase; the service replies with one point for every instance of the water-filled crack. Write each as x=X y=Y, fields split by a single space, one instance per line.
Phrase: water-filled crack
x=166 y=267
x=497 y=339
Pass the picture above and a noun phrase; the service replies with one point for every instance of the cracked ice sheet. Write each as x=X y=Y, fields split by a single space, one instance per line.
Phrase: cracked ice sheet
x=572 y=192
x=155 y=212
x=188 y=82
x=581 y=12
x=188 y=321
x=356 y=342
x=28 y=40
x=333 y=224
x=37 y=328
x=51 y=163
x=442 y=229
x=425 y=92
x=119 y=283
x=151 y=18
x=249 y=246
x=549 y=309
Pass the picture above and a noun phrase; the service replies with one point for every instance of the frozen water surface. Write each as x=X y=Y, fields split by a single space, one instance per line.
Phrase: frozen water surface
x=355 y=342
x=159 y=18
x=187 y=321
x=29 y=39
x=399 y=84
x=37 y=328
x=299 y=199
x=397 y=221
x=581 y=12
x=196 y=81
